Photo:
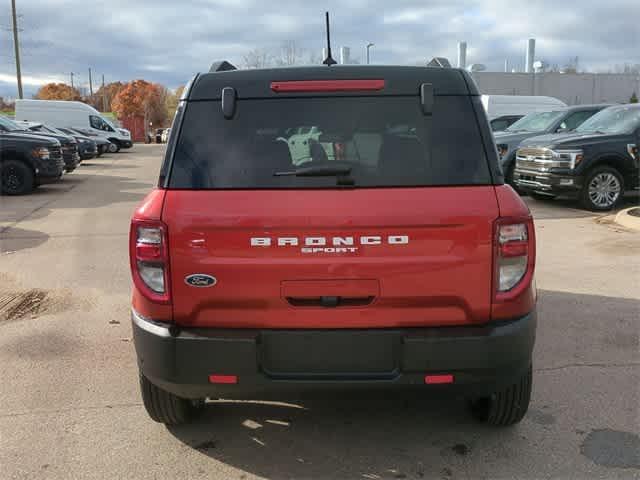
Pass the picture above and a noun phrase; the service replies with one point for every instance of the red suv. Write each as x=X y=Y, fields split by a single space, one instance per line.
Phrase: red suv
x=380 y=249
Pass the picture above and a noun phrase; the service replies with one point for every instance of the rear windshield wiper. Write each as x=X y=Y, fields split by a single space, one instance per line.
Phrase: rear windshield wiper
x=323 y=171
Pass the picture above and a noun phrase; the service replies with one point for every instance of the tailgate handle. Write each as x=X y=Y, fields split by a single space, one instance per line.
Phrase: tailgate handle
x=329 y=301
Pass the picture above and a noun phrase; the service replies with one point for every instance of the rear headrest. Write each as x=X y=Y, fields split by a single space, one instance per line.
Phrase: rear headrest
x=271 y=154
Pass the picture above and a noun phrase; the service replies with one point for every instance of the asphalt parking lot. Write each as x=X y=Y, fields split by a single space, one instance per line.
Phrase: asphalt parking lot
x=70 y=405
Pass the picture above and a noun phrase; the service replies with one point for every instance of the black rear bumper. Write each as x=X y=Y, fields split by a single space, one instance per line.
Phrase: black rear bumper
x=276 y=363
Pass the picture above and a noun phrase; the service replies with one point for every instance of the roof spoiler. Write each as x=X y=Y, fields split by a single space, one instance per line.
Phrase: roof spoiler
x=221 y=66
x=439 y=62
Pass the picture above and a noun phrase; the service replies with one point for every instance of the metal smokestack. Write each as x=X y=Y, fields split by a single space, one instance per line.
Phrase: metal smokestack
x=531 y=55
x=462 y=54
x=345 y=53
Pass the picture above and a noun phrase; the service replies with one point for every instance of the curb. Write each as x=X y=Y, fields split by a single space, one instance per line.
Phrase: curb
x=628 y=221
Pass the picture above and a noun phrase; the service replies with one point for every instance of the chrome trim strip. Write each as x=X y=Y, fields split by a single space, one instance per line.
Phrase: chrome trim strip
x=536 y=173
x=530 y=183
x=149 y=325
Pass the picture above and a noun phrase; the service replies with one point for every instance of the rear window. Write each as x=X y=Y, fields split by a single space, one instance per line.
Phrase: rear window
x=386 y=141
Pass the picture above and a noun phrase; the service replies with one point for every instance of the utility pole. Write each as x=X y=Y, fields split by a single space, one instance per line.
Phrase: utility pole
x=104 y=96
x=16 y=45
x=72 y=74
x=90 y=84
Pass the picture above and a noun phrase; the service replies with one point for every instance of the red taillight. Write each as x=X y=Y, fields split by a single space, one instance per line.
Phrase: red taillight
x=326 y=85
x=512 y=250
x=150 y=259
x=514 y=263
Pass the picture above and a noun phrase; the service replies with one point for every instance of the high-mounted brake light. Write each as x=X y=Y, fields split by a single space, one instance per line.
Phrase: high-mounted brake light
x=149 y=259
x=438 y=379
x=223 y=379
x=327 y=86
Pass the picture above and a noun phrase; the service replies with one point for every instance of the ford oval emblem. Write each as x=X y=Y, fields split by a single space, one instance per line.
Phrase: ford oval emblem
x=200 y=280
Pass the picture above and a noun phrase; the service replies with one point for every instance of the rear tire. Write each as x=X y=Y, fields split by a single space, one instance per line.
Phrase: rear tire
x=167 y=408
x=506 y=407
x=16 y=178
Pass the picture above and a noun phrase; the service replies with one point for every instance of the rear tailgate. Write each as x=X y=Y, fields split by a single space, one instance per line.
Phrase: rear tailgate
x=403 y=257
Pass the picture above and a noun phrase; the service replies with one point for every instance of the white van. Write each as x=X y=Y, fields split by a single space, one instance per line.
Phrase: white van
x=511 y=105
x=64 y=114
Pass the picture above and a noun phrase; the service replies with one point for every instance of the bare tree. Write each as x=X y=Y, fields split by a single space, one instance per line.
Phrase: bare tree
x=571 y=66
x=290 y=54
x=257 y=58
x=628 y=68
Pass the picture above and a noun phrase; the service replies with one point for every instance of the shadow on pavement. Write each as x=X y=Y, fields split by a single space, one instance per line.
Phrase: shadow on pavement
x=15 y=239
x=348 y=437
x=105 y=190
x=409 y=435
x=95 y=163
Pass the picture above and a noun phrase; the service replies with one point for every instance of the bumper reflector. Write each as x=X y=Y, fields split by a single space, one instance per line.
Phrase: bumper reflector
x=223 y=379
x=438 y=379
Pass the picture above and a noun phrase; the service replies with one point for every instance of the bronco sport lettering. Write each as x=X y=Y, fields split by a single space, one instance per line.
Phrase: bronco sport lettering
x=319 y=244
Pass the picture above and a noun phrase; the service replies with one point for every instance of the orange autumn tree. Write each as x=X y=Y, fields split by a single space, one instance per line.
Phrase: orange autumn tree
x=141 y=99
x=58 y=91
x=104 y=96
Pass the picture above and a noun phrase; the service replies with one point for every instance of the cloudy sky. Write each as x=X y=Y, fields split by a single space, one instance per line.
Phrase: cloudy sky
x=168 y=41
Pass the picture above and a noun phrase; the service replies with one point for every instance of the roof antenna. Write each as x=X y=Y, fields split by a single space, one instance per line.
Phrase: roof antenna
x=329 y=60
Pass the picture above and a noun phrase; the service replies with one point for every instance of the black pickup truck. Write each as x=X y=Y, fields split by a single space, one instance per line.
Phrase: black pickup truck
x=27 y=160
x=596 y=163
x=70 y=152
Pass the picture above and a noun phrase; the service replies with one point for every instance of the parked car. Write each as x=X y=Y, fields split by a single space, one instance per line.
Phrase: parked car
x=158 y=135
x=73 y=114
x=500 y=124
x=87 y=148
x=165 y=135
x=412 y=269
x=27 y=160
x=84 y=143
x=595 y=164
x=536 y=124
x=501 y=105
x=103 y=144
x=69 y=145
